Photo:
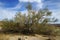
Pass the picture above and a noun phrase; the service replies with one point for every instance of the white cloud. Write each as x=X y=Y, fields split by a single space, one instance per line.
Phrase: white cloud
x=56 y=13
x=55 y=8
x=17 y=6
x=7 y=13
x=10 y=12
x=39 y=2
x=38 y=6
x=4 y=13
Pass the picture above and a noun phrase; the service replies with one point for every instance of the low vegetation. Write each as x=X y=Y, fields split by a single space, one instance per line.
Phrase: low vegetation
x=34 y=22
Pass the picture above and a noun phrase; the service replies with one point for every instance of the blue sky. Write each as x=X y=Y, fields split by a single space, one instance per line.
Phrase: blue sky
x=8 y=8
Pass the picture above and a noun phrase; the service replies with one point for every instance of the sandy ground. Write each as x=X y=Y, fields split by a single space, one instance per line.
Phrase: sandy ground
x=27 y=38
x=23 y=37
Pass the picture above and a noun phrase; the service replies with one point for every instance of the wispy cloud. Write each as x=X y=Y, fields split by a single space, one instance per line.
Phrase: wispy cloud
x=1 y=3
x=9 y=8
x=16 y=8
x=54 y=6
x=6 y=14
x=39 y=3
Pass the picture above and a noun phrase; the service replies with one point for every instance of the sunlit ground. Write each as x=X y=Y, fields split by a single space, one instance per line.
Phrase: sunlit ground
x=24 y=37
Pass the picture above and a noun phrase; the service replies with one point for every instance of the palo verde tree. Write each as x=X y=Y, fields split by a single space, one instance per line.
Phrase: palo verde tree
x=34 y=21
x=31 y=22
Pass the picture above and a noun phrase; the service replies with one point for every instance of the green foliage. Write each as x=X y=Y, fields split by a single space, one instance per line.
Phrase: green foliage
x=33 y=22
x=8 y=25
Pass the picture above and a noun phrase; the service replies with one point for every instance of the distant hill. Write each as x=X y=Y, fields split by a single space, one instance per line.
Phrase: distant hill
x=57 y=25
